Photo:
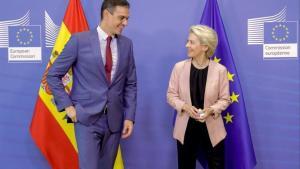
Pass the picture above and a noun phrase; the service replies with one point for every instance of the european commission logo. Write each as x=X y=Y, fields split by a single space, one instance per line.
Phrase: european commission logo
x=278 y=36
x=24 y=43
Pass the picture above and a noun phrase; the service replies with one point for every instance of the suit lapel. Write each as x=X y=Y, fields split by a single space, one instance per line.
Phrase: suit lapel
x=95 y=43
x=120 y=57
x=186 y=80
x=208 y=81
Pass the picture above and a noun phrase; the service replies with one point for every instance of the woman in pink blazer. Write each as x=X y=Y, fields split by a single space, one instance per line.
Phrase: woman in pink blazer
x=199 y=91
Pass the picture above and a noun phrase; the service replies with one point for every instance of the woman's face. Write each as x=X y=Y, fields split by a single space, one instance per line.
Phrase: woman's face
x=194 y=48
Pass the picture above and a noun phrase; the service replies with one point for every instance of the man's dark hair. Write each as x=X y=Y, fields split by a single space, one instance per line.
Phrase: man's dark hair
x=110 y=5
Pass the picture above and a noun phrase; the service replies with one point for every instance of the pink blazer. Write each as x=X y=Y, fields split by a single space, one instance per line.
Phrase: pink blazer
x=216 y=96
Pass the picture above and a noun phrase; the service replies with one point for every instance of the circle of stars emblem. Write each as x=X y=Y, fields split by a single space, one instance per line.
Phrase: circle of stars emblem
x=280 y=32
x=24 y=36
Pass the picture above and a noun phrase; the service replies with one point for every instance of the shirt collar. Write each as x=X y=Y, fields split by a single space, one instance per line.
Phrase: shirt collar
x=102 y=35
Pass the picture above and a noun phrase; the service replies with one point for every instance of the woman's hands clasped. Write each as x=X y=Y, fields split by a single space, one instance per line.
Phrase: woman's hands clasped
x=193 y=112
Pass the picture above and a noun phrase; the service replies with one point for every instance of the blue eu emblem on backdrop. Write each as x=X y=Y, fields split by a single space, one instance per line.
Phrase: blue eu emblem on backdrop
x=24 y=36
x=280 y=32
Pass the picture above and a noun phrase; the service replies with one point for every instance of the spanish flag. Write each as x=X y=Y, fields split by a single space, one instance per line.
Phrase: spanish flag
x=49 y=128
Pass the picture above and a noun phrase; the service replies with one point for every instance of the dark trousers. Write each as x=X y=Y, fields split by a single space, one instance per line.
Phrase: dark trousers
x=97 y=146
x=196 y=144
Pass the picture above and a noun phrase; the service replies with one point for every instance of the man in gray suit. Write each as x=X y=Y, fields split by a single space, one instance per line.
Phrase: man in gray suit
x=102 y=102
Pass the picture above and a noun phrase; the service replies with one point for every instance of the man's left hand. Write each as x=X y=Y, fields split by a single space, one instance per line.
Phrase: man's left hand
x=127 y=129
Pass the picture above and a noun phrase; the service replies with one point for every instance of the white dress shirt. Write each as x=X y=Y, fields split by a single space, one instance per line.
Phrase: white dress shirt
x=114 y=49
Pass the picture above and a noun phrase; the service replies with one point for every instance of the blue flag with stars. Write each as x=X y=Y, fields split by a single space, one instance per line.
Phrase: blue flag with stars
x=280 y=32
x=239 y=152
x=24 y=36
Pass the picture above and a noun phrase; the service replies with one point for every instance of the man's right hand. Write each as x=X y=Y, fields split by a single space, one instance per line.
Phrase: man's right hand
x=71 y=113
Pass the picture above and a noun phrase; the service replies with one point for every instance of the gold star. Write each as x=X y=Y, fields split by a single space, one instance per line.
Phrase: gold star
x=217 y=60
x=230 y=76
x=234 y=97
x=228 y=118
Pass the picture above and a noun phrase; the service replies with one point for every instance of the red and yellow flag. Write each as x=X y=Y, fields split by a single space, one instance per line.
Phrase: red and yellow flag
x=50 y=131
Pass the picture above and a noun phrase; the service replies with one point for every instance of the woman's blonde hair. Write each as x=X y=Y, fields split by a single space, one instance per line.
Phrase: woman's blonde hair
x=207 y=36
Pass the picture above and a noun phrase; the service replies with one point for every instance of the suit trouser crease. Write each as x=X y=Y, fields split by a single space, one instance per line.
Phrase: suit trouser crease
x=97 y=145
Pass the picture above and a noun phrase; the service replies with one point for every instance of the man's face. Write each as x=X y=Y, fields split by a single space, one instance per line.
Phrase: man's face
x=117 y=19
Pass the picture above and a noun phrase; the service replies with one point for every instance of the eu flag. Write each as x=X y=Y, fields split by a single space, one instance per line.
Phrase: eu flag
x=24 y=36
x=239 y=153
x=280 y=32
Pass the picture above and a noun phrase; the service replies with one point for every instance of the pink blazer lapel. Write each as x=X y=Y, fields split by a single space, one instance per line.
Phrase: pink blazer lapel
x=212 y=85
x=185 y=81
